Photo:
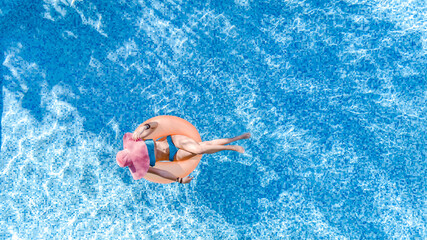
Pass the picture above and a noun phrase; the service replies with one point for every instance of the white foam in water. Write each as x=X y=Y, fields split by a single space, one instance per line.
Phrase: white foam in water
x=90 y=16
x=129 y=50
x=243 y=3
x=19 y=68
x=159 y=29
x=59 y=6
x=68 y=34
x=97 y=66
x=56 y=9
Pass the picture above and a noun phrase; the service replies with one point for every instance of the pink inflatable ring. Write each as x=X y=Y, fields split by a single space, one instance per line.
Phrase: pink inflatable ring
x=171 y=125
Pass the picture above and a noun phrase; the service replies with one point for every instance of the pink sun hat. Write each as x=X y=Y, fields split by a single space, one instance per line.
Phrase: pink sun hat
x=135 y=156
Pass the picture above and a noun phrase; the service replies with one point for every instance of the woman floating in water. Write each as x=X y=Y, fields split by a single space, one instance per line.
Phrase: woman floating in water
x=141 y=154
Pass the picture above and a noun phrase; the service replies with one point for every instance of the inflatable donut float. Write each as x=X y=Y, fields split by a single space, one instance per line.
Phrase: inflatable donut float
x=171 y=125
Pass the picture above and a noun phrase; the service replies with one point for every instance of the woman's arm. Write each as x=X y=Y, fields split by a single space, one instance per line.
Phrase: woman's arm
x=168 y=175
x=144 y=130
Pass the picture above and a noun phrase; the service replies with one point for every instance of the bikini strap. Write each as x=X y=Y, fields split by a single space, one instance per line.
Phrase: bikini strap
x=151 y=151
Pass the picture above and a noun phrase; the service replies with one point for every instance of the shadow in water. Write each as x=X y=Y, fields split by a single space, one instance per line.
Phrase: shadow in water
x=63 y=50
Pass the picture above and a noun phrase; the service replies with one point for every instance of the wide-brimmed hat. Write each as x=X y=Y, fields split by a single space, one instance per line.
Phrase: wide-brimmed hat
x=135 y=156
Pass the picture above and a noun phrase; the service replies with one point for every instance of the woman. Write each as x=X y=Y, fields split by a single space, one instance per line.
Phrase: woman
x=172 y=148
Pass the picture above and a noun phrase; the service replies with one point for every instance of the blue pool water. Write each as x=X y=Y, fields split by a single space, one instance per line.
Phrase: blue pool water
x=333 y=92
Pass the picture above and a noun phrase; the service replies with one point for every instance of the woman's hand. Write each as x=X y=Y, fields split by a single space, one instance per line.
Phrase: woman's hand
x=166 y=174
x=187 y=179
x=144 y=130
x=135 y=135
x=139 y=133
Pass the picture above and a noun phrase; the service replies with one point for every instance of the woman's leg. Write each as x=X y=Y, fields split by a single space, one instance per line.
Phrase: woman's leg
x=213 y=148
x=189 y=145
x=227 y=140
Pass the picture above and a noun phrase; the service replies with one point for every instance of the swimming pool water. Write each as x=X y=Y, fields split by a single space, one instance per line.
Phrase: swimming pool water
x=333 y=92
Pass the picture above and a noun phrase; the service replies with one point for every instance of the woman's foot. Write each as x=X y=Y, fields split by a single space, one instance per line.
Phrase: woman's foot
x=240 y=137
x=238 y=149
x=227 y=140
x=245 y=136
